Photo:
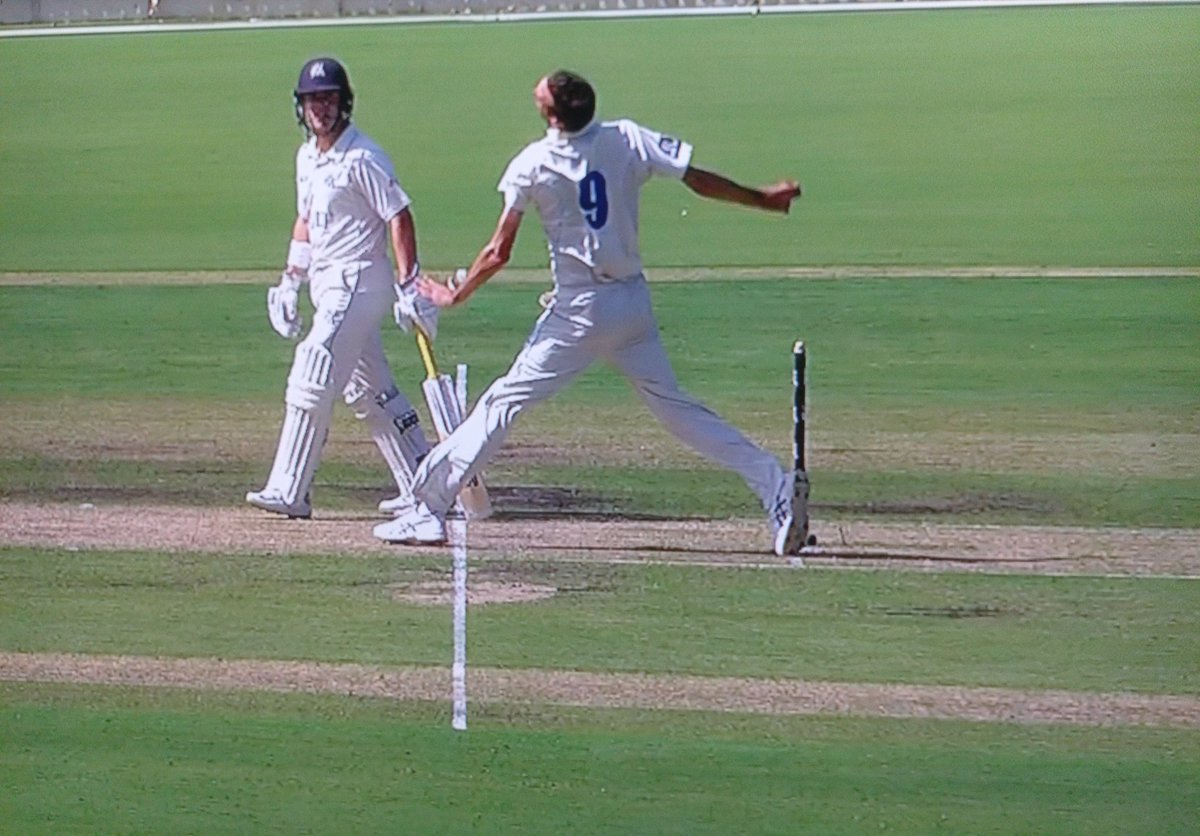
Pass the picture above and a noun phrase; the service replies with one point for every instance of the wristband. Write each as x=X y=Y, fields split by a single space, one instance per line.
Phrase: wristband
x=299 y=256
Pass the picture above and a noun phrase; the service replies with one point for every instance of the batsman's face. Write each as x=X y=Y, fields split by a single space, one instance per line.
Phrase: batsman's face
x=322 y=111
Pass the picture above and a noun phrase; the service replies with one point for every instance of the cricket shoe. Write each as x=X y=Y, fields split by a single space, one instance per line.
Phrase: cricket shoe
x=419 y=527
x=397 y=506
x=789 y=514
x=273 y=501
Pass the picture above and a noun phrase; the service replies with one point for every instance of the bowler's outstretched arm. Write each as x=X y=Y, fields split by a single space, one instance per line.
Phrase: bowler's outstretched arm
x=777 y=197
x=491 y=258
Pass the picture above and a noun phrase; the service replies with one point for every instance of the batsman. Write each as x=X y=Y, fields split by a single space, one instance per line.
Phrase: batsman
x=350 y=210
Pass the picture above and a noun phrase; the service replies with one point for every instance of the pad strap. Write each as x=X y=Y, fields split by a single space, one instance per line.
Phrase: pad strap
x=395 y=429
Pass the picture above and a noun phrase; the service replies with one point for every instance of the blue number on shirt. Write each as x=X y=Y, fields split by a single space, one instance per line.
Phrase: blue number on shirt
x=593 y=199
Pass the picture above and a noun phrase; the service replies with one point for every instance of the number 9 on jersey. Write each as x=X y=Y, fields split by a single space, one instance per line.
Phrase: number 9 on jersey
x=593 y=199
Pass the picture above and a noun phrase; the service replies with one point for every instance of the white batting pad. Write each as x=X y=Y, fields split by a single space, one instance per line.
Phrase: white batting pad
x=307 y=408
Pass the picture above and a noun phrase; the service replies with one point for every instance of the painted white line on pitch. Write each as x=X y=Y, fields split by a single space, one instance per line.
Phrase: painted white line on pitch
x=521 y=275
x=150 y=27
x=458 y=670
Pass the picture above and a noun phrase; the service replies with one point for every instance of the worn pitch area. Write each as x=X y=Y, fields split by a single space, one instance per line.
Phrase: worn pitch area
x=500 y=542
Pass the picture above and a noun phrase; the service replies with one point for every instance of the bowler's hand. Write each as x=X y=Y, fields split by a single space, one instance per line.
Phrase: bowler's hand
x=436 y=292
x=778 y=197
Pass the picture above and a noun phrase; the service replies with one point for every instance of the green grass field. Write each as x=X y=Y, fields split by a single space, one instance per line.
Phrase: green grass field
x=1057 y=402
x=155 y=759
x=979 y=137
x=1062 y=137
x=1110 y=634
x=264 y=764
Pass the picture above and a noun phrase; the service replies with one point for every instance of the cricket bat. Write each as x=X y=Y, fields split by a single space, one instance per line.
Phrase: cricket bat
x=448 y=410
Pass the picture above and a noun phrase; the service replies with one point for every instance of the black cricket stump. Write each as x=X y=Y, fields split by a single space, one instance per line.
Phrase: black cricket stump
x=799 y=434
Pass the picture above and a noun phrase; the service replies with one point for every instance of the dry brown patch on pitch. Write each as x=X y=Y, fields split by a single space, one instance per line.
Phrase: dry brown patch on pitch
x=172 y=431
x=480 y=593
x=501 y=548
x=614 y=540
x=605 y=690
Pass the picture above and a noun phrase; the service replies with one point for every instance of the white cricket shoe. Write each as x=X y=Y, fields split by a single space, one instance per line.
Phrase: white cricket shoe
x=397 y=506
x=273 y=501
x=419 y=527
x=789 y=514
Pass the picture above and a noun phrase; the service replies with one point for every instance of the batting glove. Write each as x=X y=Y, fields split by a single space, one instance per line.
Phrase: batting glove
x=412 y=308
x=283 y=307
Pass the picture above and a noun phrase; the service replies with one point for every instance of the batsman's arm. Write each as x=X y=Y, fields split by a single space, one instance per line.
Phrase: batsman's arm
x=299 y=252
x=488 y=263
x=300 y=229
x=403 y=234
x=777 y=197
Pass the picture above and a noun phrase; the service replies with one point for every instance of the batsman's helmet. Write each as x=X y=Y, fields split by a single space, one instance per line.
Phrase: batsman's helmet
x=318 y=76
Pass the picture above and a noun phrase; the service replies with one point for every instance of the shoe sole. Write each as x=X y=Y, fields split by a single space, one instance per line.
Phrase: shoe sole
x=283 y=512
x=412 y=542
x=408 y=541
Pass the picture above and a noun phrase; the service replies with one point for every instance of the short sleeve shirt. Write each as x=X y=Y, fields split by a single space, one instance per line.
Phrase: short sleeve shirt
x=586 y=187
x=347 y=195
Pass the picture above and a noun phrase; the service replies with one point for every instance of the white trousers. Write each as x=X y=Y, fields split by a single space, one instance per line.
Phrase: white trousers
x=349 y=307
x=346 y=323
x=612 y=322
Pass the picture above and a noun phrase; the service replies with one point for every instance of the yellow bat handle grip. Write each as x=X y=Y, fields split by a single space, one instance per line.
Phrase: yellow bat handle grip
x=426 y=349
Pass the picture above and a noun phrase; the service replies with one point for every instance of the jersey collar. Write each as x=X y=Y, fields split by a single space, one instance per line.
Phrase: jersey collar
x=341 y=145
x=557 y=134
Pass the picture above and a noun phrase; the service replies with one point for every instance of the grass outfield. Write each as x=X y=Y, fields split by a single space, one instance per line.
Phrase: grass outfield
x=1074 y=634
x=996 y=400
x=158 y=762
x=159 y=759
x=1032 y=136
x=1021 y=137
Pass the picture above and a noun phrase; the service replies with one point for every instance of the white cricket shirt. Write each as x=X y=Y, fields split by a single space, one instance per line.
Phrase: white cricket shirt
x=586 y=188
x=347 y=195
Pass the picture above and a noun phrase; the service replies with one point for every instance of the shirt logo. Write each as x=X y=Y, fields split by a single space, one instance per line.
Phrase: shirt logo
x=669 y=145
x=318 y=70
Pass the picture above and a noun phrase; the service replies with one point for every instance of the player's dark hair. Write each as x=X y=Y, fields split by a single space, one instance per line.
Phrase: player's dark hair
x=574 y=99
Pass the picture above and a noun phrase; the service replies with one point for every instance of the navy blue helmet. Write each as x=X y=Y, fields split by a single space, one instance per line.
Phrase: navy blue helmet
x=318 y=76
